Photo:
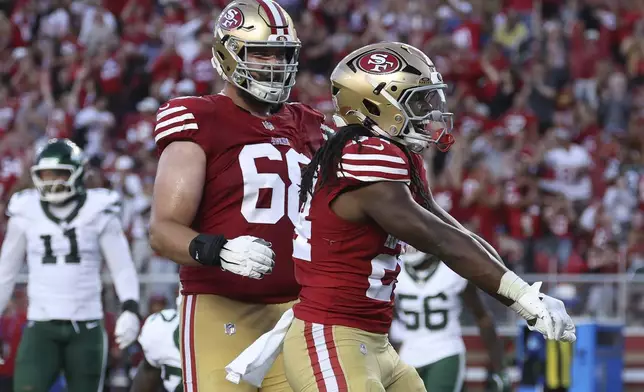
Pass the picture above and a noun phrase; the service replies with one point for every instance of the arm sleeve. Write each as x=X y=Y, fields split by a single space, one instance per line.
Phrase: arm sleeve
x=373 y=160
x=12 y=256
x=117 y=255
x=177 y=120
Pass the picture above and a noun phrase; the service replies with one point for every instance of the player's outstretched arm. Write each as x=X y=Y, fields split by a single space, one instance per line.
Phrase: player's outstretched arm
x=147 y=378
x=449 y=219
x=392 y=206
x=178 y=188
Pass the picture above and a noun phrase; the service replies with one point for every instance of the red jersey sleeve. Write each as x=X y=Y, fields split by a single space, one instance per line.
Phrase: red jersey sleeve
x=179 y=120
x=373 y=159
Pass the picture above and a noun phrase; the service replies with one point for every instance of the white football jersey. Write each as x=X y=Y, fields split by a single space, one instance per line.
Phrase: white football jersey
x=428 y=315
x=159 y=339
x=64 y=256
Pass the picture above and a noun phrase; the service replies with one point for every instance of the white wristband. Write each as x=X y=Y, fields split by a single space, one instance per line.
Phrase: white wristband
x=512 y=286
x=522 y=312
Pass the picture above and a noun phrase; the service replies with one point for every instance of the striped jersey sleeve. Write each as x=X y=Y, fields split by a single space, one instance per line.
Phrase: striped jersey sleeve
x=374 y=159
x=176 y=121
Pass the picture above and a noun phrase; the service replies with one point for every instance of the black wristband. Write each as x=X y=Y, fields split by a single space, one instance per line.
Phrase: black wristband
x=205 y=249
x=131 y=305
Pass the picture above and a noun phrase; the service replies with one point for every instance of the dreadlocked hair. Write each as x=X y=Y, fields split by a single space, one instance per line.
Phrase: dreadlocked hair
x=324 y=164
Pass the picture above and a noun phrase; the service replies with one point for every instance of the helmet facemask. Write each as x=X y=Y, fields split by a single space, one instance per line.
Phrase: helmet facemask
x=60 y=184
x=422 y=112
x=265 y=69
x=427 y=118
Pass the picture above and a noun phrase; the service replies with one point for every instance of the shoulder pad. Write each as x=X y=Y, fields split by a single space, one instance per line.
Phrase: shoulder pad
x=22 y=202
x=373 y=159
x=104 y=200
x=178 y=119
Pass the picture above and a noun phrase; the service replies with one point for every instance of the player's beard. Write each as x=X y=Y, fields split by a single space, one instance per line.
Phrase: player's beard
x=256 y=105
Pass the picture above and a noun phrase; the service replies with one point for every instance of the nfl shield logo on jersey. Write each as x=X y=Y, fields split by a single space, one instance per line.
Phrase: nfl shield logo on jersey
x=268 y=125
x=230 y=329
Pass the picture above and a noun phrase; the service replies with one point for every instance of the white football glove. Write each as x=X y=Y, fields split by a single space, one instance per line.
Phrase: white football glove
x=247 y=256
x=563 y=325
x=552 y=320
x=1 y=361
x=127 y=329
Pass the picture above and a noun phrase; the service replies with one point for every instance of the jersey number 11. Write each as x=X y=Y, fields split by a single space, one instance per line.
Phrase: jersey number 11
x=71 y=258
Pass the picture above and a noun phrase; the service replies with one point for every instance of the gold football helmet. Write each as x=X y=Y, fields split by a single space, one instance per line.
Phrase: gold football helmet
x=395 y=90
x=247 y=34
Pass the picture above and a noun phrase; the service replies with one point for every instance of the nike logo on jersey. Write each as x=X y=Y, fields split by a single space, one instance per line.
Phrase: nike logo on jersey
x=379 y=148
x=91 y=325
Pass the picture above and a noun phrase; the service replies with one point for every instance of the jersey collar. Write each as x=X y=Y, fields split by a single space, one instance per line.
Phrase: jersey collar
x=47 y=210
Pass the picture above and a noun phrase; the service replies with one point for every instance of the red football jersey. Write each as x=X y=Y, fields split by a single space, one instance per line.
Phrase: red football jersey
x=252 y=184
x=348 y=270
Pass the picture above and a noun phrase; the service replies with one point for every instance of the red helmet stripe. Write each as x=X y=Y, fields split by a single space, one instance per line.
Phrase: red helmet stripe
x=271 y=15
x=282 y=19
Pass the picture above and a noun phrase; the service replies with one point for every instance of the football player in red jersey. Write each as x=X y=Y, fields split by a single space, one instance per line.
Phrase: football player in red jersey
x=365 y=190
x=226 y=193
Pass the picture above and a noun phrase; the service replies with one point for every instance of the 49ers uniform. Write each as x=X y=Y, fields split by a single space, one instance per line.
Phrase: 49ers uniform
x=338 y=340
x=252 y=188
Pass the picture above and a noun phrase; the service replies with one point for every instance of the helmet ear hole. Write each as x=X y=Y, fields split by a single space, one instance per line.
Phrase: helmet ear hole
x=371 y=107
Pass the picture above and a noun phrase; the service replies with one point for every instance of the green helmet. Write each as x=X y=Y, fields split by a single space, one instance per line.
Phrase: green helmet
x=67 y=162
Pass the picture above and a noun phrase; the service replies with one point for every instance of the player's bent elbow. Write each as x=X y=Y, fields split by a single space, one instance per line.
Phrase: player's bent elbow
x=155 y=237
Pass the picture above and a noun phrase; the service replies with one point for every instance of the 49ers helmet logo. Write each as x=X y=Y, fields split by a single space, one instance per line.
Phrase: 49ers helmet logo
x=232 y=19
x=379 y=63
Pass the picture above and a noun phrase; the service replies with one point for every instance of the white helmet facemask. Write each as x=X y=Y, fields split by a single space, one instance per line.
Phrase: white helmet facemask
x=268 y=81
x=58 y=190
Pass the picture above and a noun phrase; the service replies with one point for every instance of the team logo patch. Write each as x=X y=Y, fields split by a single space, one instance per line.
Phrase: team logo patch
x=379 y=63
x=232 y=19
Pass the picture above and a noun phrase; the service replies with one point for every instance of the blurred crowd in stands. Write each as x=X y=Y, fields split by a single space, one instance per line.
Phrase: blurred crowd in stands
x=548 y=95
